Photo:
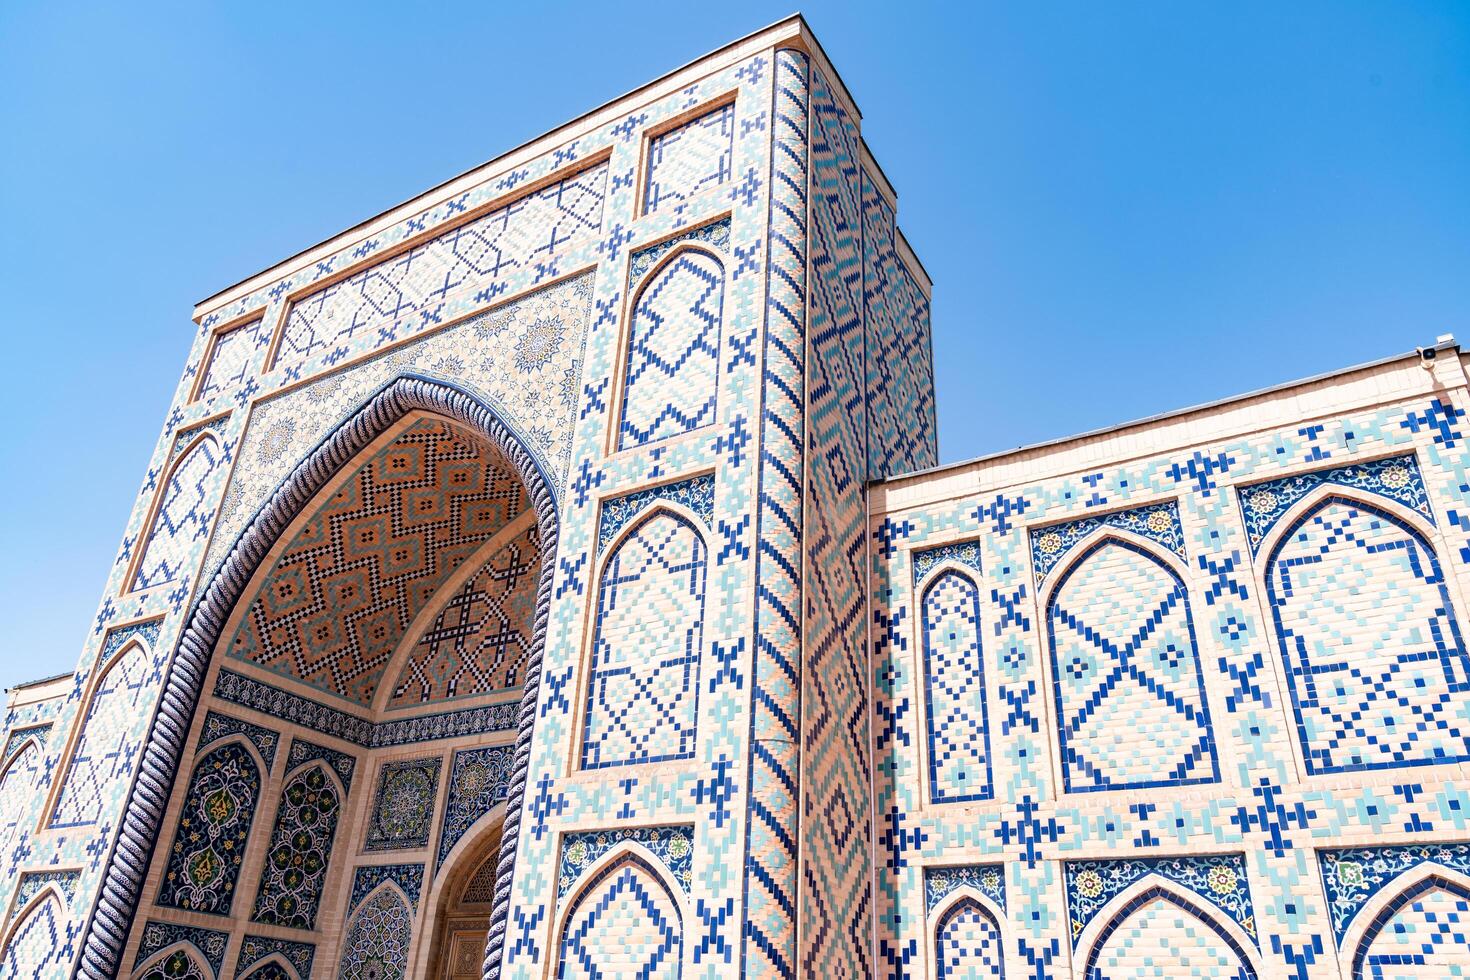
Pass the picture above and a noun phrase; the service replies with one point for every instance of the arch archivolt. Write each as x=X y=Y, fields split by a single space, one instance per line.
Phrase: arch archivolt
x=1123 y=905
x=220 y=605
x=442 y=903
x=1379 y=909
x=158 y=959
x=624 y=853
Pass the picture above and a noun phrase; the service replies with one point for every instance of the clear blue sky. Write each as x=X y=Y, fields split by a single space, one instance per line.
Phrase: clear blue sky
x=1126 y=207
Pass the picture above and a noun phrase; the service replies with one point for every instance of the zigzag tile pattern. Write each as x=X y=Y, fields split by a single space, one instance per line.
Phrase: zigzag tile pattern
x=836 y=818
x=771 y=885
x=341 y=596
x=479 y=642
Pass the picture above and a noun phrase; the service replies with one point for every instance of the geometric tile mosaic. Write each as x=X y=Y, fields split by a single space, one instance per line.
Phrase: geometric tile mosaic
x=408 y=877
x=479 y=642
x=1159 y=927
x=693 y=157
x=456 y=270
x=1123 y=657
x=403 y=807
x=955 y=694
x=671 y=380
x=1397 y=478
x=38 y=946
x=478 y=780
x=672 y=845
x=624 y=923
x=213 y=828
x=643 y=688
x=253 y=949
x=158 y=936
x=987 y=879
x=697 y=494
x=232 y=358
x=1219 y=879
x=1351 y=876
x=1423 y=933
x=378 y=938
x=184 y=513
x=1373 y=685
x=374 y=552
x=968 y=944
x=18 y=786
x=1156 y=522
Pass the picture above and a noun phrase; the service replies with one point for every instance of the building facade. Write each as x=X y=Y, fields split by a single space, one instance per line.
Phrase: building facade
x=550 y=577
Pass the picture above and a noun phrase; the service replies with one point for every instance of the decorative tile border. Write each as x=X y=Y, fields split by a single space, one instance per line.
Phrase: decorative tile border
x=987 y=879
x=32 y=882
x=409 y=877
x=1219 y=879
x=341 y=763
x=253 y=949
x=697 y=494
x=1397 y=478
x=478 y=779
x=217 y=726
x=716 y=233
x=1351 y=876
x=965 y=553
x=158 y=936
x=123 y=635
x=296 y=709
x=1156 y=522
x=672 y=845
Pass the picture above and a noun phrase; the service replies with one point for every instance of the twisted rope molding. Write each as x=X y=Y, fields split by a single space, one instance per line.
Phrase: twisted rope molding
x=107 y=928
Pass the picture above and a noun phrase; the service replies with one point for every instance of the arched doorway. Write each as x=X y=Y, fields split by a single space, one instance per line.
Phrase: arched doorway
x=460 y=920
x=325 y=602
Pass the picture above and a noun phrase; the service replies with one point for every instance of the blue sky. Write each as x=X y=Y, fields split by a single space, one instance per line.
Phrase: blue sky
x=1126 y=208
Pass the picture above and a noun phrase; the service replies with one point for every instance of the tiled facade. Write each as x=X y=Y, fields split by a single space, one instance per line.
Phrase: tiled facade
x=534 y=569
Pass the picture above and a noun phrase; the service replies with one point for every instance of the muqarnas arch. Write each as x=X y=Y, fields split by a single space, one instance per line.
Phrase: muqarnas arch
x=397 y=404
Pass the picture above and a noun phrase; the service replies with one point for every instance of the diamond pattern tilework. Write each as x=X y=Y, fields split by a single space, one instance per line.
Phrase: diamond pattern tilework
x=956 y=697
x=671 y=380
x=18 y=786
x=1123 y=657
x=377 y=941
x=403 y=806
x=186 y=507
x=1424 y=934
x=643 y=689
x=445 y=276
x=214 y=824
x=37 y=949
x=158 y=936
x=691 y=158
x=836 y=820
x=338 y=600
x=233 y=358
x=523 y=357
x=1160 y=936
x=967 y=944
x=1372 y=684
x=478 y=779
x=103 y=755
x=625 y=923
x=295 y=871
x=479 y=642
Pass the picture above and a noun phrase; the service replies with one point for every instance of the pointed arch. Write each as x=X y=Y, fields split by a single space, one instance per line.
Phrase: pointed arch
x=627 y=887
x=101 y=750
x=300 y=849
x=105 y=932
x=1389 y=698
x=209 y=841
x=273 y=967
x=642 y=672
x=671 y=369
x=1123 y=655
x=17 y=785
x=1412 y=922
x=954 y=686
x=179 y=517
x=968 y=941
x=179 y=962
x=457 y=906
x=1150 y=924
x=378 y=937
x=35 y=945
